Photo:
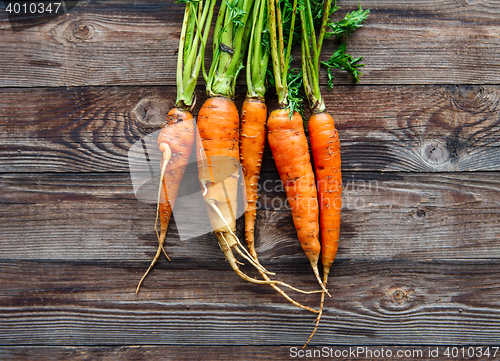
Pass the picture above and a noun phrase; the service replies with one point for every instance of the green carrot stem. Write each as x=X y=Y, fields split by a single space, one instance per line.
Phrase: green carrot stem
x=232 y=32
x=258 y=54
x=310 y=71
x=310 y=31
x=327 y=5
x=180 y=58
x=280 y=58
x=274 y=23
x=194 y=33
x=290 y=37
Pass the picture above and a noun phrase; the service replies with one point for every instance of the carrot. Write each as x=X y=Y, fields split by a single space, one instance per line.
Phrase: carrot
x=290 y=150
x=252 y=142
x=253 y=118
x=287 y=138
x=325 y=146
x=253 y=130
x=176 y=138
x=218 y=167
x=175 y=141
x=324 y=137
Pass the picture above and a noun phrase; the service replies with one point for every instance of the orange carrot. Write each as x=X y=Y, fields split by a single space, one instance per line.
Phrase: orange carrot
x=253 y=117
x=325 y=147
x=252 y=142
x=175 y=141
x=290 y=150
x=324 y=137
x=218 y=167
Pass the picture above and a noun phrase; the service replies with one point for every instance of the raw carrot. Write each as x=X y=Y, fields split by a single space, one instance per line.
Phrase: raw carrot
x=254 y=116
x=253 y=129
x=287 y=138
x=176 y=138
x=252 y=142
x=325 y=146
x=218 y=168
x=175 y=141
x=324 y=137
x=290 y=150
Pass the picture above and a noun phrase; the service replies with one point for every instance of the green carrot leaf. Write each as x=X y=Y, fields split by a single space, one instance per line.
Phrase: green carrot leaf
x=295 y=91
x=341 y=60
x=351 y=21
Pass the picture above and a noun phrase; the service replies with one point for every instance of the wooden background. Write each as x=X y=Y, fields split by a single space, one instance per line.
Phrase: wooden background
x=420 y=236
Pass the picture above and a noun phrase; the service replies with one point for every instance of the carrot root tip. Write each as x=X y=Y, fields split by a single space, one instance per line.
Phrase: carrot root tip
x=316 y=273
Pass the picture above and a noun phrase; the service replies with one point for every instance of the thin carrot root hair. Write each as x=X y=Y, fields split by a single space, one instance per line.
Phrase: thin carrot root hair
x=167 y=154
x=321 y=283
x=228 y=241
x=291 y=300
x=321 y=308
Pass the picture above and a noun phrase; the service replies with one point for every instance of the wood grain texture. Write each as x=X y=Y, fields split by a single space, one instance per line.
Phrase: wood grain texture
x=398 y=302
x=188 y=353
x=383 y=128
x=127 y=43
x=385 y=216
x=80 y=99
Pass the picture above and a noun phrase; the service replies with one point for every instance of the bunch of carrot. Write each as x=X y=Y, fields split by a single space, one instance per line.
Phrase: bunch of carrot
x=265 y=30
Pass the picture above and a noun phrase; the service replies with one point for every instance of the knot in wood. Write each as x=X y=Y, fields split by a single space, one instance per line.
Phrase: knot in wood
x=150 y=113
x=435 y=152
x=399 y=295
x=82 y=31
x=420 y=213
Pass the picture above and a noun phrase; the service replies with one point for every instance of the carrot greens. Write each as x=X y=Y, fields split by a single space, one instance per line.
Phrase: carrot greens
x=194 y=34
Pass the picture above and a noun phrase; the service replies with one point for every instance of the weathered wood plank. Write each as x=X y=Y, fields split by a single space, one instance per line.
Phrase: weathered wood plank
x=401 y=128
x=385 y=216
x=398 y=302
x=242 y=353
x=123 y=43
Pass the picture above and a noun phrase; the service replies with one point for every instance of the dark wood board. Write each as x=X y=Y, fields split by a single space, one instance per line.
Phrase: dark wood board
x=96 y=217
x=397 y=302
x=382 y=128
x=131 y=43
x=81 y=97
x=278 y=353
